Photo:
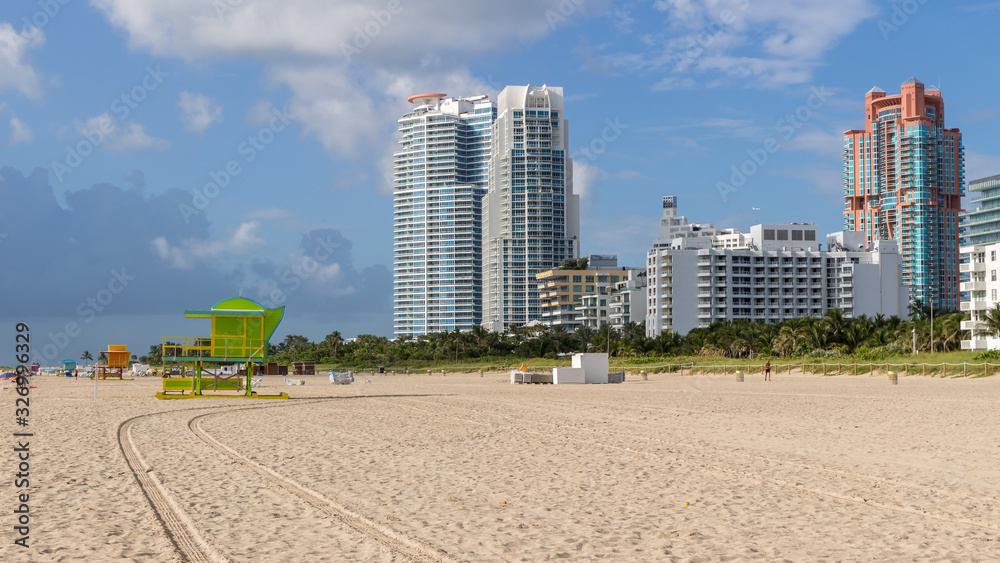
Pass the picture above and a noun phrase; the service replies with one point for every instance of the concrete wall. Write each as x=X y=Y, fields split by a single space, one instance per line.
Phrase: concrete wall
x=595 y=367
x=568 y=375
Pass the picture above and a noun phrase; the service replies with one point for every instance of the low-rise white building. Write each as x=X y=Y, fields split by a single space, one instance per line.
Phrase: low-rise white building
x=780 y=273
x=980 y=264
x=627 y=300
x=593 y=308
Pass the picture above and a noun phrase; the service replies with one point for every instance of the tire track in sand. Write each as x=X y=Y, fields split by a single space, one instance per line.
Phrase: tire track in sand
x=180 y=529
x=385 y=536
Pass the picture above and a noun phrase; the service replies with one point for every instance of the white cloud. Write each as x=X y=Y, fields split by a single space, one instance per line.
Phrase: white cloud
x=674 y=83
x=587 y=176
x=19 y=132
x=190 y=252
x=120 y=137
x=14 y=71
x=780 y=42
x=351 y=64
x=198 y=111
x=260 y=113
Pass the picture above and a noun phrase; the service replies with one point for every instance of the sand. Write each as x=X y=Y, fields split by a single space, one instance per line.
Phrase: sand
x=469 y=468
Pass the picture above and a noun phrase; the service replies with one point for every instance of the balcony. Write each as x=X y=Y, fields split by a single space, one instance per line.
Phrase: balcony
x=972 y=267
x=974 y=345
x=974 y=306
x=974 y=286
x=970 y=325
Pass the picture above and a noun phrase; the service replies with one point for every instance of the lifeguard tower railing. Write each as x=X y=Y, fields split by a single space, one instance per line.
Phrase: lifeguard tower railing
x=189 y=349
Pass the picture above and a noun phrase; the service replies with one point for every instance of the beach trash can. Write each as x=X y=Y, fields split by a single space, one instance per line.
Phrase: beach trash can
x=645 y=376
x=739 y=377
x=893 y=378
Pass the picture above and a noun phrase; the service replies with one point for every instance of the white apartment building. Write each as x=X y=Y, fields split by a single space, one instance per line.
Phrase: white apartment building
x=981 y=265
x=593 y=309
x=780 y=274
x=627 y=299
x=439 y=179
x=531 y=218
x=673 y=226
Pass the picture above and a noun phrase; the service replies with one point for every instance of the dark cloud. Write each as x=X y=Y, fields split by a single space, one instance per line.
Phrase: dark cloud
x=57 y=258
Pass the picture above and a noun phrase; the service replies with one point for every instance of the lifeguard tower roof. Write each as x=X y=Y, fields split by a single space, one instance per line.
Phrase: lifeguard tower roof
x=241 y=330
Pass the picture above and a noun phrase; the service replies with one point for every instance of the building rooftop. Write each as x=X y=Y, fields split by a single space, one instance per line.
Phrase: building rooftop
x=913 y=80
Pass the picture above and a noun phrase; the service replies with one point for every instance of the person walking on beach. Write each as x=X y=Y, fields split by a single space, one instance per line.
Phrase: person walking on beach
x=767 y=371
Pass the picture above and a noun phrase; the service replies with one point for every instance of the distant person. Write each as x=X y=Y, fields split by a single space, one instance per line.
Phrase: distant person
x=767 y=371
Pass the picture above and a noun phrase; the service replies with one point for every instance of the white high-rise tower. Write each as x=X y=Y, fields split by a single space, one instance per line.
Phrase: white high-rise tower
x=531 y=218
x=440 y=177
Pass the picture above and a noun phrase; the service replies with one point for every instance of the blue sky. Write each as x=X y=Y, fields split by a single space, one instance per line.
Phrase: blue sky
x=158 y=155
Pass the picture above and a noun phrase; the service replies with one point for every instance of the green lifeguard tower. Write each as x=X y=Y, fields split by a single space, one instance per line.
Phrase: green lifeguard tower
x=241 y=329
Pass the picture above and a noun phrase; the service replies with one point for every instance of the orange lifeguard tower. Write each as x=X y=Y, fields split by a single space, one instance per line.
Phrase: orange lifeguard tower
x=118 y=358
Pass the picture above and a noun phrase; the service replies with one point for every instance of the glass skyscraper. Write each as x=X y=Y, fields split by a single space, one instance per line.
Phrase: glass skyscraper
x=904 y=178
x=531 y=216
x=440 y=178
x=982 y=224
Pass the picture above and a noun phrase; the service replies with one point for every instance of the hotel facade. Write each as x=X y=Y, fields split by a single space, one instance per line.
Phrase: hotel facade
x=778 y=272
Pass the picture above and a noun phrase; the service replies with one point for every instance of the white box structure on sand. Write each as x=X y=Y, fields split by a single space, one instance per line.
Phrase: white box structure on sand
x=568 y=375
x=595 y=367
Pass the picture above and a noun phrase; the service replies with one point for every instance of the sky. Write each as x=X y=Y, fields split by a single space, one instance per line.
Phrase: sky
x=163 y=155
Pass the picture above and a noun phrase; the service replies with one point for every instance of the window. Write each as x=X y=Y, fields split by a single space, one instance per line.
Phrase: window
x=993 y=256
x=993 y=275
x=796 y=235
x=810 y=235
x=577 y=288
x=577 y=279
x=590 y=279
x=768 y=234
x=782 y=235
x=590 y=289
x=994 y=296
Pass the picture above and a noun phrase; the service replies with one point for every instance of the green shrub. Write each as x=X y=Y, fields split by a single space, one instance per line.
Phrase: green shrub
x=987 y=355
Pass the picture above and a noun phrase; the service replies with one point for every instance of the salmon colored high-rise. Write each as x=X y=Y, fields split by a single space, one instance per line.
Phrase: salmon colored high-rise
x=904 y=178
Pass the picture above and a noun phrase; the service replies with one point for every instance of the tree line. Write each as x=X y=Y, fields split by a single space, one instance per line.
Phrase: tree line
x=832 y=335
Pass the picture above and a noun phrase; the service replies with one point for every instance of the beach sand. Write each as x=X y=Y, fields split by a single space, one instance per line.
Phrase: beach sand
x=469 y=468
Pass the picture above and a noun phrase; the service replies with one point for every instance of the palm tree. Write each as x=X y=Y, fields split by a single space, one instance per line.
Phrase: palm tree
x=989 y=322
x=835 y=324
x=583 y=334
x=87 y=356
x=334 y=341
